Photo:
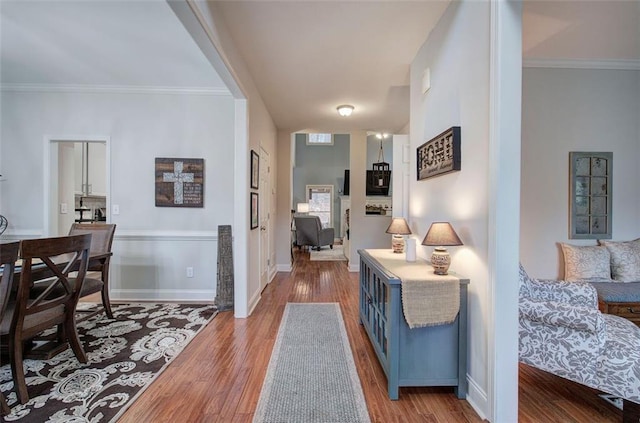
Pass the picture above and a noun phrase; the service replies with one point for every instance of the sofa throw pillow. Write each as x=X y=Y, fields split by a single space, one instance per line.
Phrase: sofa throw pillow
x=586 y=262
x=625 y=260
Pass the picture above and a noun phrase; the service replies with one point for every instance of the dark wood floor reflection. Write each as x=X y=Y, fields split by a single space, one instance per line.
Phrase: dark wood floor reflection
x=219 y=376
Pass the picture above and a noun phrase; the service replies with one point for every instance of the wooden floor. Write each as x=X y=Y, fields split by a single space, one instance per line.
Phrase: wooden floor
x=219 y=375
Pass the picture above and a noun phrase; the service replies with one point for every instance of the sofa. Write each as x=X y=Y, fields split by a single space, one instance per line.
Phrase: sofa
x=613 y=269
x=309 y=232
x=562 y=331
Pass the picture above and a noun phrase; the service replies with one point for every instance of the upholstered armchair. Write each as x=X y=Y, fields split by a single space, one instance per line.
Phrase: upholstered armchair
x=309 y=231
x=563 y=332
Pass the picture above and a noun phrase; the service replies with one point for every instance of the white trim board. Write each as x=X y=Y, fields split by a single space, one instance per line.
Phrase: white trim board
x=176 y=295
x=141 y=235
x=582 y=64
x=114 y=89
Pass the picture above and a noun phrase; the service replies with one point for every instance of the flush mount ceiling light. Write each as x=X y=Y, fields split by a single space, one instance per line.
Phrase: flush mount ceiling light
x=345 y=110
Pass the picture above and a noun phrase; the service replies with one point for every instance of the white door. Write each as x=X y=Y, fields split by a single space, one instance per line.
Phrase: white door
x=265 y=200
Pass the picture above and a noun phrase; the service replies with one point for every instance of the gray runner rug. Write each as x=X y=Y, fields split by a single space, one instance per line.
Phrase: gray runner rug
x=311 y=376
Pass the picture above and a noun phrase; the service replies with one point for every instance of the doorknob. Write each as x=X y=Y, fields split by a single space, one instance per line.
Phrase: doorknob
x=262 y=228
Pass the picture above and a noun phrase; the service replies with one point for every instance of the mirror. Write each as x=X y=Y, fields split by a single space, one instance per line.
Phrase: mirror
x=378 y=176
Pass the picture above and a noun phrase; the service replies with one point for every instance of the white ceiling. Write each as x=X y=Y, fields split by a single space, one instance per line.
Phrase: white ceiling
x=309 y=57
x=581 y=30
x=99 y=43
x=306 y=57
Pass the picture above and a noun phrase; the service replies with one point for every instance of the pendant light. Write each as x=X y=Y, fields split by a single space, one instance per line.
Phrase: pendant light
x=381 y=174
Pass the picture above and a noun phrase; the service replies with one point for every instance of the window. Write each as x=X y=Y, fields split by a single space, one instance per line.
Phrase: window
x=320 y=199
x=320 y=139
x=590 y=206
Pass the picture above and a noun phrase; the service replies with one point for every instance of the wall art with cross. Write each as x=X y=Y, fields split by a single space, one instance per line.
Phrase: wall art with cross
x=179 y=182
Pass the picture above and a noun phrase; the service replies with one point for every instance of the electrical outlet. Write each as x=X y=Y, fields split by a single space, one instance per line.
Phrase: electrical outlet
x=189 y=272
x=63 y=208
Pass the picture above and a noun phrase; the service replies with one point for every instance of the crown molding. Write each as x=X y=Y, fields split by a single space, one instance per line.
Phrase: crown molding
x=117 y=89
x=582 y=64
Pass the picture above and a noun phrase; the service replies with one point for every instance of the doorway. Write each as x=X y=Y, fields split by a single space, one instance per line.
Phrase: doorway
x=77 y=182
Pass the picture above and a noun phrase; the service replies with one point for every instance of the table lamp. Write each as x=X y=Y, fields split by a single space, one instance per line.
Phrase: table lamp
x=398 y=228
x=303 y=207
x=441 y=234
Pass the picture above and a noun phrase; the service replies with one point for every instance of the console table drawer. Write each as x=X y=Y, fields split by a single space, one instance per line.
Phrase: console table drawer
x=629 y=311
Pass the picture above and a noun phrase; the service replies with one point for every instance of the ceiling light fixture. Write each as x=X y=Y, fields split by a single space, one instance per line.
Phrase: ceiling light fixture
x=345 y=110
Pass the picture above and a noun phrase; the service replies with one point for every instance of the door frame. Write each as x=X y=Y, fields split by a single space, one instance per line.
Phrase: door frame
x=264 y=214
x=50 y=174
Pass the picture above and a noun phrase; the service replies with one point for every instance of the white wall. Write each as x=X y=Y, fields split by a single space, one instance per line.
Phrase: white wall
x=457 y=53
x=575 y=110
x=162 y=241
x=365 y=231
x=286 y=140
x=260 y=131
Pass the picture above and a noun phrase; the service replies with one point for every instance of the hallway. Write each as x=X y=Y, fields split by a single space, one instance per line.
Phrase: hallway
x=219 y=375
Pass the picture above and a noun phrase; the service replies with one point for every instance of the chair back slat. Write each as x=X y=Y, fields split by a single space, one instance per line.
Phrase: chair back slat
x=8 y=257
x=102 y=235
x=63 y=290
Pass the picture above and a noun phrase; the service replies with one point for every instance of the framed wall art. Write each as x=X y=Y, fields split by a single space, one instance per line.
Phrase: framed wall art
x=440 y=154
x=254 y=210
x=255 y=170
x=590 y=176
x=179 y=182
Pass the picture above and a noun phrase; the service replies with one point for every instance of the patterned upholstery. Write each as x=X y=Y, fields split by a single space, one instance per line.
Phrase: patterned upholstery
x=563 y=332
x=625 y=260
x=590 y=262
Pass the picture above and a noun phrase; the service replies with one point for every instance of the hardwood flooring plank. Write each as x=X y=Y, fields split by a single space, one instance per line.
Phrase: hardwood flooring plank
x=219 y=376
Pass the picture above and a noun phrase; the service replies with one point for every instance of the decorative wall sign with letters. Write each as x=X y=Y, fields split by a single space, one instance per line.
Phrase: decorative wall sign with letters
x=439 y=155
x=179 y=182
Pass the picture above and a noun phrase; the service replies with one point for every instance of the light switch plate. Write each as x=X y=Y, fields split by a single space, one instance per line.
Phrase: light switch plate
x=115 y=209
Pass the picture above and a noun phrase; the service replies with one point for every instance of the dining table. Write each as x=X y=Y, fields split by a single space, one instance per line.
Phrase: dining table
x=44 y=348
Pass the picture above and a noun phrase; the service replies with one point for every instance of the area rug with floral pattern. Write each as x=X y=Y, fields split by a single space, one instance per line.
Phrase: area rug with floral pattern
x=125 y=355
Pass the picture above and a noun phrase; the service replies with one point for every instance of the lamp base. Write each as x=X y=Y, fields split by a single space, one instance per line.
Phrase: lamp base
x=397 y=244
x=440 y=260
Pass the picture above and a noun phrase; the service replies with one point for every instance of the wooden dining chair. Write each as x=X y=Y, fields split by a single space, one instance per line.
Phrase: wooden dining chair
x=54 y=306
x=8 y=257
x=101 y=240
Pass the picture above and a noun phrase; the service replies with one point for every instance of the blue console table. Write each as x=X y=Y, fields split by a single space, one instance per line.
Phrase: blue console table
x=427 y=356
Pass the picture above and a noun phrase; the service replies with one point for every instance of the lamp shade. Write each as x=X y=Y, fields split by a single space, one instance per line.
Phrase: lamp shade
x=441 y=234
x=303 y=207
x=398 y=226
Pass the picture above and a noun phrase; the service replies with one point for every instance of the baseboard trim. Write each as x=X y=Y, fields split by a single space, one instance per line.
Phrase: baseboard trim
x=253 y=302
x=354 y=267
x=477 y=398
x=283 y=268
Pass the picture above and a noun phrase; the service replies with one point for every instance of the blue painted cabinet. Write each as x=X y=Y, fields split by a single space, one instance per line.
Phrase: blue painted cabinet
x=429 y=356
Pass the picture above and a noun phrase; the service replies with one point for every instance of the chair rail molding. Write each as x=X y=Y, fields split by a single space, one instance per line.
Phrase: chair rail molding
x=150 y=235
